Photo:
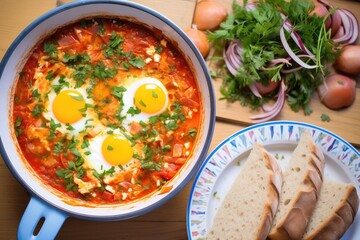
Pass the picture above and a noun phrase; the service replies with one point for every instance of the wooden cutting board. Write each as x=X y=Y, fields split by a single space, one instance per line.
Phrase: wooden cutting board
x=345 y=123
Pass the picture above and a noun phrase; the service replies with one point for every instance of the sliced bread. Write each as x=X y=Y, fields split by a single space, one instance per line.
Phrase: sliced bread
x=248 y=209
x=335 y=211
x=301 y=187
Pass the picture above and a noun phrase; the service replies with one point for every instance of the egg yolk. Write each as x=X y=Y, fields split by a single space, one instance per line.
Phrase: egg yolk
x=67 y=105
x=117 y=150
x=150 y=98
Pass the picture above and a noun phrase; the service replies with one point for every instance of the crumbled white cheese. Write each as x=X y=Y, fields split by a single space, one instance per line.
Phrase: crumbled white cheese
x=190 y=114
x=150 y=50
x=148 y=60
x=83 y=187
x=110 y=189
x=157 y=57
x=187 y=145
x=124 y=196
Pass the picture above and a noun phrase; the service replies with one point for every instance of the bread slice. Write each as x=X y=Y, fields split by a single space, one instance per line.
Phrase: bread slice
x=301 y=187
x=335 y=211
x=248 y=209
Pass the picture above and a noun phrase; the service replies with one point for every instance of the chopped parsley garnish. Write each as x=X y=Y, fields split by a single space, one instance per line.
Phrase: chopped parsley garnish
x=133 y=111
x=38 y=109
x=85 y=144
x=75 y=167
x=102 y=29
x=154 y=94
x=101 y=176
x=158 y=49
x=77 y=98
x=166 y=148
x=171 y=124
x=35 y=94
x=113 y=46
x=118 y=91
x=58 y=148
x=50 y=75
x=172 y=68
x=53 y=127
x=102 y=72
x=142 y=103
x=51 y=49
x=137 y=62
x=192 y=133
x=69 y=127
x=17 y=125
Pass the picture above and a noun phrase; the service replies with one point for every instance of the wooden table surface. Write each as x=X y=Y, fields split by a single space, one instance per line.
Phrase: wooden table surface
x=166 y=222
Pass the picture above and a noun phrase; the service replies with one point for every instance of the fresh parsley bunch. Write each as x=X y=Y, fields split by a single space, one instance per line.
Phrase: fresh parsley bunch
x=258 y=30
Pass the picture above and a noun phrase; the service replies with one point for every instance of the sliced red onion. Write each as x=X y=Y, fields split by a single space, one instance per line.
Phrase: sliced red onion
x=291 y=70
x=279 y=61
x=325 y=3
x=291 y=53
x=255 y=91
x=239 y=49
x=297 y=39
x=229 y=66
x=339 y=33
x=355 y=26
x=232 y=58
x=347 y=25
x=335 y=22
x=266 y=107
x=250 y=6
x=294 y=35
x=273 y=111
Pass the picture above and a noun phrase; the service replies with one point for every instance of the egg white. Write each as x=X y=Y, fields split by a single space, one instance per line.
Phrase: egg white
x=128 y=100
x=80 y=126
x=94 y=157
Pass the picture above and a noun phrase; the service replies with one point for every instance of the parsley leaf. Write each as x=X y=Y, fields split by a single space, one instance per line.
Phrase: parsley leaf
x=51 y=49
x=53 y=127
x=17 y=125
x=325 y=118
x=133 y=111
x=38 y=109
x=137 y=62
x=113 y=46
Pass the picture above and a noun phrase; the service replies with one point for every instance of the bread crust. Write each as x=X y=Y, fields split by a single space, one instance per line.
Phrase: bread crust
x=274 y=180
x=337 y=224
x=293 y=224
x=274 y=195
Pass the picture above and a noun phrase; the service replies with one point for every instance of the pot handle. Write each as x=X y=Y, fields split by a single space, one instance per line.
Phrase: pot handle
x=36 y=211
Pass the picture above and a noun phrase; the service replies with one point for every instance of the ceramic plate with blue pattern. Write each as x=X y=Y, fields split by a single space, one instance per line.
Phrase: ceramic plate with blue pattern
x=280 y=138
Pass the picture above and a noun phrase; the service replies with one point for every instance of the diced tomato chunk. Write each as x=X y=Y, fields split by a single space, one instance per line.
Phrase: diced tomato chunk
x=177 y=150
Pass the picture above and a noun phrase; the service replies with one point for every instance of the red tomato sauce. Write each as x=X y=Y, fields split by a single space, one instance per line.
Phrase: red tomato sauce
x=99 y=56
